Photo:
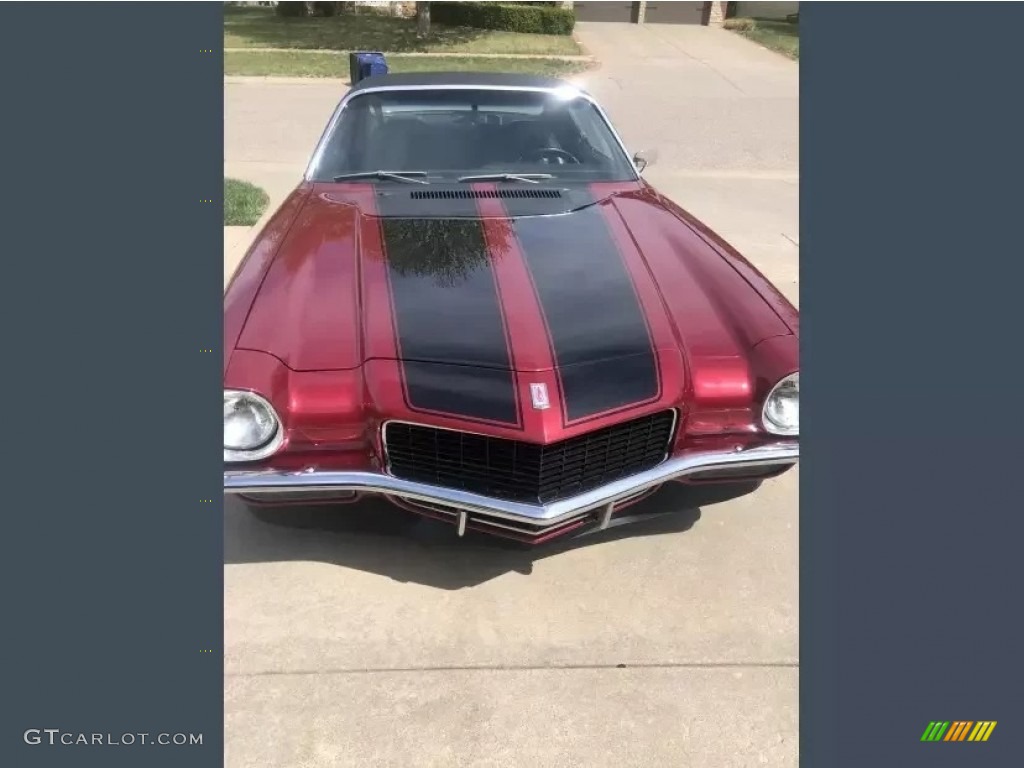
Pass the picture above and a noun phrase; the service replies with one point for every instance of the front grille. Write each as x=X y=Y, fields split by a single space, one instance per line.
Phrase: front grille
x=518 y=471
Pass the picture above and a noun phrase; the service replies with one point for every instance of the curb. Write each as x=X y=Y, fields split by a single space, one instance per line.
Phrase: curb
x=424 y=55
x=270 y=79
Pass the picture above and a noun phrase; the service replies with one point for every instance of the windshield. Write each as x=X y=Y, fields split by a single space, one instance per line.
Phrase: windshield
x=450 y=133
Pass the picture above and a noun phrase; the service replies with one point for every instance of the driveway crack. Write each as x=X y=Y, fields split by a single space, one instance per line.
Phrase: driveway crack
x=697 y=59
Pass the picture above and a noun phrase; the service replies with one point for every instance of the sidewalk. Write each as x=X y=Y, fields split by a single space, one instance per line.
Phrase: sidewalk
x=236 y=242
x=404 y=54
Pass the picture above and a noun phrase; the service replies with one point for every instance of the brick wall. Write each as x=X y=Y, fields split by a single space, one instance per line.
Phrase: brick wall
x=715 y=14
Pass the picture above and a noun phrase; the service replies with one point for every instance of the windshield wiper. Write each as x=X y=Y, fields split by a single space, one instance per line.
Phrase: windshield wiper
x=529 y=178
x=409 y=177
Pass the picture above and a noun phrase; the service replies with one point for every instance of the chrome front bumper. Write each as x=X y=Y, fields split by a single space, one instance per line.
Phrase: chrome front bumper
x=537 y=516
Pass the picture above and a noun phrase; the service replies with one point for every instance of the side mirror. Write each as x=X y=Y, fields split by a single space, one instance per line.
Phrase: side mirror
x=643 y=158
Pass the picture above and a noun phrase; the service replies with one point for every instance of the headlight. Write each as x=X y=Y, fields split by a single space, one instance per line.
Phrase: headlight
x=251 y=428
x=781 y=414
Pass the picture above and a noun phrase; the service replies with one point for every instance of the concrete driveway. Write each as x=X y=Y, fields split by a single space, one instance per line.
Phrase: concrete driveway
x=723 y=114
x=667 y=643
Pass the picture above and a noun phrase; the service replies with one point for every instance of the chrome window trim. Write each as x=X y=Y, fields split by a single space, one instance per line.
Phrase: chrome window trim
x=551 y=91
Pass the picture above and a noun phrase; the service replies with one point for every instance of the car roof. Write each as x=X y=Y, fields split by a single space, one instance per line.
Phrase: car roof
x=483 y=80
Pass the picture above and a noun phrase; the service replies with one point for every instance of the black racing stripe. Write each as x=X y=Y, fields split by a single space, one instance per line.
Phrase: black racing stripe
x=477 y=394
x=451 y=336
x=599 y=336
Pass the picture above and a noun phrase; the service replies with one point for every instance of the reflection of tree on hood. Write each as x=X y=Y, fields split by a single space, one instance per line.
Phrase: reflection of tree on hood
x=448 y=250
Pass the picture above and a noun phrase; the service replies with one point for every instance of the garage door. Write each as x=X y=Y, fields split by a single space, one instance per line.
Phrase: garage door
x=607 y=11
x=672 y=12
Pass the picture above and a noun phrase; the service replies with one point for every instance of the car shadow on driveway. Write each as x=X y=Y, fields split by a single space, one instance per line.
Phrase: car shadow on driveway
x=376 y=537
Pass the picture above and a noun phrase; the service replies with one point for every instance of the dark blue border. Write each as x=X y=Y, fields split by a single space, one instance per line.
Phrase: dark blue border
x=110 y=293
x=912 y=276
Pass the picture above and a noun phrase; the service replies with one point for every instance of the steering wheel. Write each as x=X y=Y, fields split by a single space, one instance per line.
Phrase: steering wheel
x=552 y=155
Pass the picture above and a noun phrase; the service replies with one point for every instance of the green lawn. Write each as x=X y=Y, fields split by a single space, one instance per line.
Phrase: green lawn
x=367 y=31
x=776 y=34
x=244 y=203
x=306 y=64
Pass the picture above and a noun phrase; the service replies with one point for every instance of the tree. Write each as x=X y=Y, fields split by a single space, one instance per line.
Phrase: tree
x=422 y=19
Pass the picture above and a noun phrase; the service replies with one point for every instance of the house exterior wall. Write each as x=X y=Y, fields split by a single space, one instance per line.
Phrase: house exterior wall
x=714 y=12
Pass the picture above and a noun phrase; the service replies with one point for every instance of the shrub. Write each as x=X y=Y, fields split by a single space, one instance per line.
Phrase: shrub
x=536 y=19
x=325 y=9
x=292 y=10
x=739 y=24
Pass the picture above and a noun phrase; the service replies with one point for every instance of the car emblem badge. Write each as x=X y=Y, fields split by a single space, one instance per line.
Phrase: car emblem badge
x=539 y=395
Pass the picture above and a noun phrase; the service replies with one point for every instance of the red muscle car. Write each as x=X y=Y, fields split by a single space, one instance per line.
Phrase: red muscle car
x=474 y=306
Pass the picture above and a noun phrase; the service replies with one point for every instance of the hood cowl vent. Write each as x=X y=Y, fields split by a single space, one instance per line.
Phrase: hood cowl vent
x=475 y=194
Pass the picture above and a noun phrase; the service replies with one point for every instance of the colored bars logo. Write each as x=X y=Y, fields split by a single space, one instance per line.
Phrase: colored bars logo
x=958 y=730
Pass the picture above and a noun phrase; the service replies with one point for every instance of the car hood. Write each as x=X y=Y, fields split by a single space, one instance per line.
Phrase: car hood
x=604 y=285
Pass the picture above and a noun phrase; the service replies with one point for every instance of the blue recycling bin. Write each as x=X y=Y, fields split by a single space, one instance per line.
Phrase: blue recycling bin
x=362 y=64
